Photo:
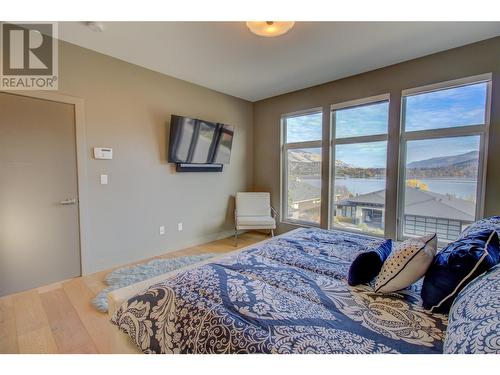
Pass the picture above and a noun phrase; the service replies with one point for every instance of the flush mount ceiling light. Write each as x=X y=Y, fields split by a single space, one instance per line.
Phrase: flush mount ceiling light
x=95 y=26
x=269 y=28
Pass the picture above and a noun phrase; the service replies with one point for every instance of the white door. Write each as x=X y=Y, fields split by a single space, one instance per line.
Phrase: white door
x=39 y=228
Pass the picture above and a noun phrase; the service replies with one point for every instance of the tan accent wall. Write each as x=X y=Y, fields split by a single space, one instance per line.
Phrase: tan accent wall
x=470 y=60
x=128 y=108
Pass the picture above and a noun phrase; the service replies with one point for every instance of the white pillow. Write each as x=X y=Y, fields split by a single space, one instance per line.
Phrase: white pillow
x=406 y=264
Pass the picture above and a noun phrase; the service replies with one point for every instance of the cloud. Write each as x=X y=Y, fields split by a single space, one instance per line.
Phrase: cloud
x=304 y=128
x=369 y=119
x=453 y=107
x=363 y=155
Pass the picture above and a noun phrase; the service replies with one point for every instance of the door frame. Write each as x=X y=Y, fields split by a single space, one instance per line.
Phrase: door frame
x=81 y=161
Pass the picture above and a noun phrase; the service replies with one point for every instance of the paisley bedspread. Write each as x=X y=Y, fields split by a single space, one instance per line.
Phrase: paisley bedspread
x=286 y=295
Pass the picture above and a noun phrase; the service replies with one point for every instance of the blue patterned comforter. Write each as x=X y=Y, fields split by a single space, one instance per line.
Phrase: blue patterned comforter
x=286 y=295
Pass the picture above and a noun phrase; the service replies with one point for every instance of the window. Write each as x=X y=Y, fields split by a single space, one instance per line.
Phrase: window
x=359 y=159
x=301 y=158
x=442 y=146
x=439 y=187
x=446 y=108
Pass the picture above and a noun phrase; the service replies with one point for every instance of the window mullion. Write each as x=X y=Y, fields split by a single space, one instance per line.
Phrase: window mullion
x=444 y=132
x=308 y=144
x=360 y=139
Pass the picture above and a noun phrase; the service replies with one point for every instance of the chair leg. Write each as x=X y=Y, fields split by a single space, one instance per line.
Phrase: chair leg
x=235 y=237
x=272 y=232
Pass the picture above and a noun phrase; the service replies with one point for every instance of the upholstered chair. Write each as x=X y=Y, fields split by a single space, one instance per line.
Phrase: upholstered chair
x=254 y=211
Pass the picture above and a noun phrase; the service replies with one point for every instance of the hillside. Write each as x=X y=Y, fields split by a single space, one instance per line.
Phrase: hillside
x=304 y=163
x=462 y=165
x=445 y=161
x=300 y=156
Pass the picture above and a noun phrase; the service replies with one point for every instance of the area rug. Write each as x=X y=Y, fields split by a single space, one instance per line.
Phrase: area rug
x=125 y=276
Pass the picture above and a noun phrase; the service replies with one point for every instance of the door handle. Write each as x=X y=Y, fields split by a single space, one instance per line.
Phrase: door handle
x=68 y=202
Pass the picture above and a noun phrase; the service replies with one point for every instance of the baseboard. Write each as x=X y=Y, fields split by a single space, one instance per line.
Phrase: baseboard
x=204 y=239
x=179 y=246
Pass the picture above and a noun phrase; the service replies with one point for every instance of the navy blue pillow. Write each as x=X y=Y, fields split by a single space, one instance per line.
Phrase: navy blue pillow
x=367 y=265
x=455 y=266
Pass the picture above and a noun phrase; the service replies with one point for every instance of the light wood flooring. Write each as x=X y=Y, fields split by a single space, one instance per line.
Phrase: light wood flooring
x=59 y=318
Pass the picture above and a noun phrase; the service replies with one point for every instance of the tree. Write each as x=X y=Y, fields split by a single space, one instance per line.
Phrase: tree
x=417 y=184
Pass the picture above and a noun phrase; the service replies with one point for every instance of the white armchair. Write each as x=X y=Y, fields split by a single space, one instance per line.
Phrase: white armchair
x=254 y=211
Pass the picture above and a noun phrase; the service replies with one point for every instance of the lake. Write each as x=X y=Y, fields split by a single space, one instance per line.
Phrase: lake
x=462 y=188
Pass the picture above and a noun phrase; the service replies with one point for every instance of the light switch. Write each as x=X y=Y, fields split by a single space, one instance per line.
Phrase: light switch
x=104 y=179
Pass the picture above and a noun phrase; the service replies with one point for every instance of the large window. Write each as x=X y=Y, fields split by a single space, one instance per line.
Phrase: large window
x=426 y=177
x=359 y=159
x=442 y=150
x=301 y=159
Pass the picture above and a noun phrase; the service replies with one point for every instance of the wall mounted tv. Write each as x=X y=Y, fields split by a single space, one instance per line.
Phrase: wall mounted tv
x=198 y=145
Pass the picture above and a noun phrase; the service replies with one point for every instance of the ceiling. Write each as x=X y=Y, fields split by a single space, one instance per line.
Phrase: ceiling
x=226 y=57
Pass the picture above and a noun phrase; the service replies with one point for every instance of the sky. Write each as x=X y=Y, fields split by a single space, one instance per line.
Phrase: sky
x=364 y=155
x=453 y=107
x=364 y=120
x=304 y=128
x=431 y=148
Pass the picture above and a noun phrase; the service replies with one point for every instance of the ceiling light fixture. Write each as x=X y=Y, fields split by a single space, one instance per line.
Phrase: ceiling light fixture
x=269 y=28
x=95 y=26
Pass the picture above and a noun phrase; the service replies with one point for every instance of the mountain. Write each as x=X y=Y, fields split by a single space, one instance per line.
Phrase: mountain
x=462 y=165
x=300 y=156
x=305 y=163
x=446 y=161
x=341 y=164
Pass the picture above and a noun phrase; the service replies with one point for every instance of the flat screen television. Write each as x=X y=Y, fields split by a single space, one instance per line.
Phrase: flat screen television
x=194 y=141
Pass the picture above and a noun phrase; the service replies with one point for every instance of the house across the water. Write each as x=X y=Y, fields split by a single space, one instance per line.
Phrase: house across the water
x=425 y=212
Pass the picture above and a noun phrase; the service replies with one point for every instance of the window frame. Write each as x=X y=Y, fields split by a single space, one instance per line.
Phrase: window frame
x=481 y=130
x=354 y=140
x=284 y=163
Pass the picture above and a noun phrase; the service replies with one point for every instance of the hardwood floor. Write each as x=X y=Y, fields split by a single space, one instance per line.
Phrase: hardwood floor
x=59 y=318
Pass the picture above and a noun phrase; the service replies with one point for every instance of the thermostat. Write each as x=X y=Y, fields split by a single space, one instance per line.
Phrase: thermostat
x=103 y=153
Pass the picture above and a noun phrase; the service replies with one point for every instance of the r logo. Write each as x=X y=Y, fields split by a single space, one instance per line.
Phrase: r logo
x=29 y=56
x=27 y=49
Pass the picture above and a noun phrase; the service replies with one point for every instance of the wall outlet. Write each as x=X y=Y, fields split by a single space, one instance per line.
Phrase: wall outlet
x=162 y=230
x=179 y=227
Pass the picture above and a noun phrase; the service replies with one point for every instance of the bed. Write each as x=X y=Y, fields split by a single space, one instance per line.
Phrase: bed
x=285 y=295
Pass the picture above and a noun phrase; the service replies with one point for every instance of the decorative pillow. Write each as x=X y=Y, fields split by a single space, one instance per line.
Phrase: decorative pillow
x=406 y=264
x=456 y=265
x=491 y=223
x=367 y=265
x=474 y=320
